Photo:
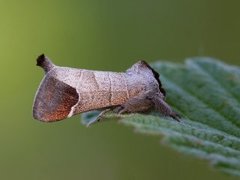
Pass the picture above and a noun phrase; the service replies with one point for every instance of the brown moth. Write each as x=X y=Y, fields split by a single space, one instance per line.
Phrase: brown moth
x=65 y=92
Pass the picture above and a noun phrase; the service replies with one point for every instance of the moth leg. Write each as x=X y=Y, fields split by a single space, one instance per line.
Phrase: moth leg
x=99 y=117
x=161 y=106
x=136 y=104
x=118 y=109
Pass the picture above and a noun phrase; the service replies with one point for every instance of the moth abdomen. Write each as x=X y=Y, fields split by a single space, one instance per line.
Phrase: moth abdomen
x=45 y=63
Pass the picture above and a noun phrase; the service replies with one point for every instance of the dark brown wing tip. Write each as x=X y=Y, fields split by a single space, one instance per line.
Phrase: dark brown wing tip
x=45 y=63
x=54 y=100
x=156 y=75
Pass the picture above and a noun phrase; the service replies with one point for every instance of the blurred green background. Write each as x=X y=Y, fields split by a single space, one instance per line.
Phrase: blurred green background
x=103 y=35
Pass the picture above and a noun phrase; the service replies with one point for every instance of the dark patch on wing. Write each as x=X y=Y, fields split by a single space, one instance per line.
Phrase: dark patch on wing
x=54 y=100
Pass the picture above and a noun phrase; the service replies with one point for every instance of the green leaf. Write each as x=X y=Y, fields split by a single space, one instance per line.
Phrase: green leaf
x=206 y=92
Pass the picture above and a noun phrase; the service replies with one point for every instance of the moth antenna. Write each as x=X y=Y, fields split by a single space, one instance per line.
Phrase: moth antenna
x=45 y=63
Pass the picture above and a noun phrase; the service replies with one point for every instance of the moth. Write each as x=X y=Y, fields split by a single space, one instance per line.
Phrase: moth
x=65 y=91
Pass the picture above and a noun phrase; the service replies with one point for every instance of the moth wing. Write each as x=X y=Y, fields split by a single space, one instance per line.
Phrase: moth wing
x=54 y=100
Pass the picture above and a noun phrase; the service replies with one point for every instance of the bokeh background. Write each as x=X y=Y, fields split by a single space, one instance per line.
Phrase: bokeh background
x=103 y=35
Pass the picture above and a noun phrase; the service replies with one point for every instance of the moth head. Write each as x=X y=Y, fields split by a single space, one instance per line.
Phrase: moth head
x=142 y=67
